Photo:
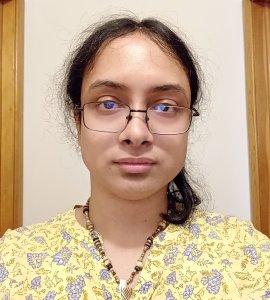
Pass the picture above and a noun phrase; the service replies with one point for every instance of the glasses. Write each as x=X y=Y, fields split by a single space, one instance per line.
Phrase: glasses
x=113 y=117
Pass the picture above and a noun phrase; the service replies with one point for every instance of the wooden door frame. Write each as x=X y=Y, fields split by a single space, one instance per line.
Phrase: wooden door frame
x=257 y=54
x=11 y=112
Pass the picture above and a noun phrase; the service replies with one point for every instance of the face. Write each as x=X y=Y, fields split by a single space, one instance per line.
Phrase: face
x=134 y=163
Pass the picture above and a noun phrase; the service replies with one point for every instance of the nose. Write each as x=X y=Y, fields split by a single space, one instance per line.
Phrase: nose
x=136 y=133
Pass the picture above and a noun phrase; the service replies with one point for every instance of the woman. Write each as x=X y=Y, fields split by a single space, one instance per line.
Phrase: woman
x=132 y=87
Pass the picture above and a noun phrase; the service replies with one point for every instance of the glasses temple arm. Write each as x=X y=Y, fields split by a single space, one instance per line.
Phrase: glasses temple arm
x=195 y=113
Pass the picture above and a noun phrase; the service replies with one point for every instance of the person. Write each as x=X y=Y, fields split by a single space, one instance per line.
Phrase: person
x=132 y=89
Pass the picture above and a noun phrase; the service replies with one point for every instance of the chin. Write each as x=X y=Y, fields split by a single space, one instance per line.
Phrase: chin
x=140 y=189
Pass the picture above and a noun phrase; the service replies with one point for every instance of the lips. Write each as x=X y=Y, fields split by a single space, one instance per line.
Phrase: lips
x=135 y=165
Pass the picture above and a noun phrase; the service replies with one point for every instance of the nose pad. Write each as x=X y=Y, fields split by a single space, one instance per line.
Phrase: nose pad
x=136 y=133
x=131 y=115
x=138 y=117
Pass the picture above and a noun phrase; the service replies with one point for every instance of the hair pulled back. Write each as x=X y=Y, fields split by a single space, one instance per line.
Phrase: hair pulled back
x=182 y=198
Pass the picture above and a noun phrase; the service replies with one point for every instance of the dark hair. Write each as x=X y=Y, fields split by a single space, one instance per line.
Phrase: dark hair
x=182 y=198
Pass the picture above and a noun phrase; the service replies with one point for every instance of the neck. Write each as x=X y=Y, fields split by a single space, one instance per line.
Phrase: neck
x=116 y=218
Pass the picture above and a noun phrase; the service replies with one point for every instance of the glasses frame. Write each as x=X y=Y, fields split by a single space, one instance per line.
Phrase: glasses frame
x=194 y=113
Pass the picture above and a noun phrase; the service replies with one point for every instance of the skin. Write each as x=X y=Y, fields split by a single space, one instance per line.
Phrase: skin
x=136 y=71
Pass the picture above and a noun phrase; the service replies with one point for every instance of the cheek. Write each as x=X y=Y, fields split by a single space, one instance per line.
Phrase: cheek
x=89 y=148
x=95 y=147
x=176 y=151
x=183 y=148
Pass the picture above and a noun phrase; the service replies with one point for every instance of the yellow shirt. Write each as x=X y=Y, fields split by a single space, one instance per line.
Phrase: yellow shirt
x=211 y=257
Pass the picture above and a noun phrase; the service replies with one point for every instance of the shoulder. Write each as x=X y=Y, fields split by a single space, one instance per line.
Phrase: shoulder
x=225 y=238
x=37 y=233
x=212 y=247
x=209 y=228
x=229 y=231
x=24 y=243
x=27 y=253
x=228 y=226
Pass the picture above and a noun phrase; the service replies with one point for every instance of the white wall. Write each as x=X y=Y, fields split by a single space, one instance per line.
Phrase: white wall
x=54 y=176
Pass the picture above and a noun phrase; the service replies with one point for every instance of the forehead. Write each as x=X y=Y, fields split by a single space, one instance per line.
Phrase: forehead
x=136 y=61
x=139 y=47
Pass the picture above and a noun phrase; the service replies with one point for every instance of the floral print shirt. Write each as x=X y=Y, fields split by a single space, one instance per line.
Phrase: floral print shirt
x=210 y=257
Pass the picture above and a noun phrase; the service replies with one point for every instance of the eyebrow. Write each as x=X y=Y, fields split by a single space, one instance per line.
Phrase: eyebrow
x=169 y=87
x=120 y=86
x=108 y=83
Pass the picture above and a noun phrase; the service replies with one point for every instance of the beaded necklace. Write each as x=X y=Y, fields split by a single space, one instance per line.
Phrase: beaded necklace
x=124 y=289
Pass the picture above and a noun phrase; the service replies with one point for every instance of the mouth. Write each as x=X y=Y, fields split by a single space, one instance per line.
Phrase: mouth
x=135 y=165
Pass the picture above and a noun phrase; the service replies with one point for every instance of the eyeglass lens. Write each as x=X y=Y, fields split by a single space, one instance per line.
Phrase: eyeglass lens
x=113 y=117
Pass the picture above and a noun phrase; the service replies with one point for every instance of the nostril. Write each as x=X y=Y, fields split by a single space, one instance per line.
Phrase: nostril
x=128 y=141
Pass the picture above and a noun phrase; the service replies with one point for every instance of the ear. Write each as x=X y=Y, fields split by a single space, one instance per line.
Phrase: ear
x=77 y=119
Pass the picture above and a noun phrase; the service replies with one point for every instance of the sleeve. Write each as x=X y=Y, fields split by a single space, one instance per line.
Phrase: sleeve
x=12 y=267
x=253 y=274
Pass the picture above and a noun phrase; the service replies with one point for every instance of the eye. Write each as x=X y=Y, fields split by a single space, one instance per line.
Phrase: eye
x=108 y=105
x=163 y=108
